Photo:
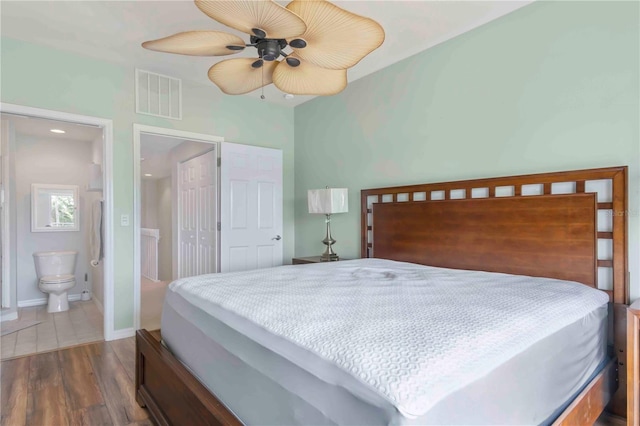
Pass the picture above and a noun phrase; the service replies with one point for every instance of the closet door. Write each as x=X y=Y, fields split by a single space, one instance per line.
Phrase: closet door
x=197 y=217
x=250 y=207
x=207 y=218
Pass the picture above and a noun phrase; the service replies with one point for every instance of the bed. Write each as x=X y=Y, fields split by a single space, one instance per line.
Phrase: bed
x=264 y=369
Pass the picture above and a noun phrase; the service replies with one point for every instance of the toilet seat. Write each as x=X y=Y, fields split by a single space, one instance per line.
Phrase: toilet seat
x=57 y=279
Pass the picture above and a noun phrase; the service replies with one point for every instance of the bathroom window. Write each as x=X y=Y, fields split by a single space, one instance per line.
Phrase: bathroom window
x=62 y=211
x=54 y=208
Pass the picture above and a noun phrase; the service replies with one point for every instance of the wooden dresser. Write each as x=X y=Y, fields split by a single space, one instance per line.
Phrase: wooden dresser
x=633 y=364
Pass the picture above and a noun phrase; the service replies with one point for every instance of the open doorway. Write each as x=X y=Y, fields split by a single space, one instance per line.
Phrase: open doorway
x=176 y=213
x=56 y=206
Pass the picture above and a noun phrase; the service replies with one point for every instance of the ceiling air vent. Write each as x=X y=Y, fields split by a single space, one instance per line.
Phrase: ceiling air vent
x=158 y=95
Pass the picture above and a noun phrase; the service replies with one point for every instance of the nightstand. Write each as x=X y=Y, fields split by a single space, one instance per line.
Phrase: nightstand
x=310 y=259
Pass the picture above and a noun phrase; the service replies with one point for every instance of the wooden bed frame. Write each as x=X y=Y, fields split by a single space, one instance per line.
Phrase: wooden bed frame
x=509 y=224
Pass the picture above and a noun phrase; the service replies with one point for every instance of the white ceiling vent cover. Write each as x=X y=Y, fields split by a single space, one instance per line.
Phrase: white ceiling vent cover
x=158 y=95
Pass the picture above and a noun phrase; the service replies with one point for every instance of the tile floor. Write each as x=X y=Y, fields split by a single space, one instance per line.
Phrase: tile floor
x=82 y=323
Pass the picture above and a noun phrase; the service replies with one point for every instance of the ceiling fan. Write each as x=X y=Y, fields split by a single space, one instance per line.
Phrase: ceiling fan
x=324 y=39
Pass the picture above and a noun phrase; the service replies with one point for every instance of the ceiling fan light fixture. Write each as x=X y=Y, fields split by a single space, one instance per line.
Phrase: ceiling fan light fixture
x=258 y=32
x=298 y=43
x=293 y=62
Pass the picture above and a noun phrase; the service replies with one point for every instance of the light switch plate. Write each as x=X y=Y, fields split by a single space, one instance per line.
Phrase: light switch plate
x=124 y=220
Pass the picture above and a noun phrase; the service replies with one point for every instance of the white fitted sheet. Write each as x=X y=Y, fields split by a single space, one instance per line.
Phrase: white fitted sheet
x=460 y=315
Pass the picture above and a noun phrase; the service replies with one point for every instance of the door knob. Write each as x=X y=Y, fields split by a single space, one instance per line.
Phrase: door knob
x=277 y=238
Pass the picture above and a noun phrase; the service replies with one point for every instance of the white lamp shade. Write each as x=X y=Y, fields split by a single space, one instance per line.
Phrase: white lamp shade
x=328 y=201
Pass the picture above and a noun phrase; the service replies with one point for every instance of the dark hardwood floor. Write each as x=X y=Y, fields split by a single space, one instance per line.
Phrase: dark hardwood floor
x=83 y=385
x=86 y=385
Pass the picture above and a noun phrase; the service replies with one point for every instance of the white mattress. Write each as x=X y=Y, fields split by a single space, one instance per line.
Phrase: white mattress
x=375 y=341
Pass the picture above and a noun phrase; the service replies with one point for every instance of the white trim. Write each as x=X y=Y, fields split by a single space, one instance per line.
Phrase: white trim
x=5 y=194
x=43 y=301
x=138 y=129
x=8 y=316
x=124 y=333
x=107 y=194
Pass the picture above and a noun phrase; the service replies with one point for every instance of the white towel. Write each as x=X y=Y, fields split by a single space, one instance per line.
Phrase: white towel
x=96 y=233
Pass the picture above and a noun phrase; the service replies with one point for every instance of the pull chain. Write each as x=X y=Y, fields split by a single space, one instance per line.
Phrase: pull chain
x=262 y=88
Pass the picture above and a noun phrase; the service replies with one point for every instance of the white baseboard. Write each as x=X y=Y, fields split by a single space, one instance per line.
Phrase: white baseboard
x=122 y=334
x=98 y=305
x=43 y=301
x=8 y=316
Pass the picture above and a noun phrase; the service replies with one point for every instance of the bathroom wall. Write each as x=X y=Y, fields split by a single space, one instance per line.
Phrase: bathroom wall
x=96 y=273
x=164 y=198
x=56 y=161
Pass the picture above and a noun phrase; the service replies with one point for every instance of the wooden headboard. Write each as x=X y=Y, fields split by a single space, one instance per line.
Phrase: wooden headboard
x=514 y=225
x=508 y=224
x=550 y=236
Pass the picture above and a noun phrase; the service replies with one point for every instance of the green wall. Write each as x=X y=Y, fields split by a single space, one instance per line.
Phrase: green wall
x=550 y=87
x=38 y=76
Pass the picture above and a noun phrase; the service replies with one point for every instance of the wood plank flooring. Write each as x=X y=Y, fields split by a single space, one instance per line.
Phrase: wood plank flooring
x=84 y=385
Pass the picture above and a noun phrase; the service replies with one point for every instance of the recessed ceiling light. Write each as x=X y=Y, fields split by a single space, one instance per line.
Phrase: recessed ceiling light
x=142 y=159
x=288 y=96
x=57 y=131
x=148 y=174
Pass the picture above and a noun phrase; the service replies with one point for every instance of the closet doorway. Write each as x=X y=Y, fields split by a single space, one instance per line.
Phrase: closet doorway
x=175 y=214
x=201 y=205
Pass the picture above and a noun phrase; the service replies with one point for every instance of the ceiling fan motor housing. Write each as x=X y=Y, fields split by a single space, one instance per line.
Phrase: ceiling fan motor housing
x=269 y=49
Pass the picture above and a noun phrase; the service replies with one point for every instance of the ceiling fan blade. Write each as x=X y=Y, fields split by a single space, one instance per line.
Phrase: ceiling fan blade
x=262 y=18
x=335 y=38
x=239 y=76
x=306 y=78
x=197 y=43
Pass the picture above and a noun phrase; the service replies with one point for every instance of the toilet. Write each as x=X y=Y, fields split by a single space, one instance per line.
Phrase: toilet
x=55 y=270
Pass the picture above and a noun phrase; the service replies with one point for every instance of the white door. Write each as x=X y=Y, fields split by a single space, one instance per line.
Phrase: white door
x=197 y=215
x=251 y=207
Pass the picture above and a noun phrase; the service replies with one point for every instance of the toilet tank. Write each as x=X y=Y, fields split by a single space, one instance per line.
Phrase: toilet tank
x=55 y=262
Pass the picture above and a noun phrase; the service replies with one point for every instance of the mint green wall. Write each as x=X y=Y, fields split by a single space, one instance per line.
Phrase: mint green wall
x=550 y=87
x=38 y=76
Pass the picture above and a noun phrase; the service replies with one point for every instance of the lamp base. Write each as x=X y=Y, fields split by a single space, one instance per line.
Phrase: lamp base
x=329 y=255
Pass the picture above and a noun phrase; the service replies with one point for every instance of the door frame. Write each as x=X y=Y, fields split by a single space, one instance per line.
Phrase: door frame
x=107 y=194
x=138 y=129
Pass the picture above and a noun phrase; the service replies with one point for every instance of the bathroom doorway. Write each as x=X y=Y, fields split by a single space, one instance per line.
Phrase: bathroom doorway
x=171 y=167
x=58 y=204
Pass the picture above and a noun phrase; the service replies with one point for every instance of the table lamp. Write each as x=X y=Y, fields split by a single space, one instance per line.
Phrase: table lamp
x=328 y=201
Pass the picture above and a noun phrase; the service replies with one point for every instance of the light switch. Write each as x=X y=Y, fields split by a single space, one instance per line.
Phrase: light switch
x=124 y=220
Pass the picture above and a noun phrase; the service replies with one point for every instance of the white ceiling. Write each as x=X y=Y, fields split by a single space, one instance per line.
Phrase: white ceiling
x=114 y=30
x=41 y=127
